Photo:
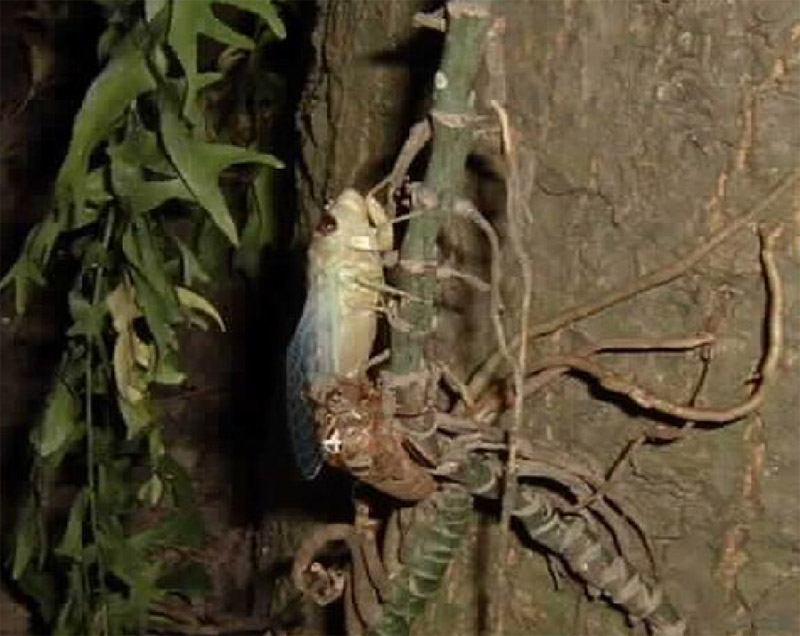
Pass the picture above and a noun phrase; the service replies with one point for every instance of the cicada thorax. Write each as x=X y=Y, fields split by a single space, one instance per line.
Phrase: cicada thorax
x=344 y=282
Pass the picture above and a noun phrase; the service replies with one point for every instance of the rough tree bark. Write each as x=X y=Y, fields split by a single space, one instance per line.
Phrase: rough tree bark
x=643 y=126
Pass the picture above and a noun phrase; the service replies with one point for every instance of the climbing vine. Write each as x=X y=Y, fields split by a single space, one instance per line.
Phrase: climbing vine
x=149 y=152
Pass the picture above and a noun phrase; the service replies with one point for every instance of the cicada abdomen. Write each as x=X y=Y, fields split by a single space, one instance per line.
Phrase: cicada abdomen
x=337 y=329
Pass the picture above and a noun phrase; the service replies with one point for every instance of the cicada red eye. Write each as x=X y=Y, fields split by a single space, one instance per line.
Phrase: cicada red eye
x=327 y=224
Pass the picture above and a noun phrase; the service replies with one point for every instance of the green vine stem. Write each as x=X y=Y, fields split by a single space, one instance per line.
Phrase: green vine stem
x=603 y=571
x=421 y=578
x=97 y=292
x=451 y=116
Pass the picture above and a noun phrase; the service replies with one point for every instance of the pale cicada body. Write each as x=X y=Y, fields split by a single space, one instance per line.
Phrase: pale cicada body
x=338 y=325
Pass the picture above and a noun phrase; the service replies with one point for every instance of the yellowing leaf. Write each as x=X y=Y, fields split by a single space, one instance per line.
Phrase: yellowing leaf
x=130 y=383
x=122 y=306
x=194 y=301
x=167 y=372
x=143 y=353
x=130 y=356
x=151 y=491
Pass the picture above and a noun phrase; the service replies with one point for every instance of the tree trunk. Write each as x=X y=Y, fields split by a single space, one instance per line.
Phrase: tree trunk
x=642 y=127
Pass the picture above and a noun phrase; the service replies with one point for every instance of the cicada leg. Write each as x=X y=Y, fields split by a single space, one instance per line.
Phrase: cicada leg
x=384 y=232
x=388 y=311
x=387 y=289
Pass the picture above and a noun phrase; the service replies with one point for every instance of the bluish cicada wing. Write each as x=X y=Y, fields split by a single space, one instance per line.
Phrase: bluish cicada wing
x=306 y=359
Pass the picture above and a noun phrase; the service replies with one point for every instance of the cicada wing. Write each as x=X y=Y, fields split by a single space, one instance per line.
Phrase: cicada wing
x=305 y=361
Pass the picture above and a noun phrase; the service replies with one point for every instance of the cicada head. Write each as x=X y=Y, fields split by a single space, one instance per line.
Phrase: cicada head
x=350 y=211
x=349 y=220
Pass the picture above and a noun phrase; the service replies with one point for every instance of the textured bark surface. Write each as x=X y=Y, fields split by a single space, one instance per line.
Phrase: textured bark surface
x=369 y=73
x=644 y=126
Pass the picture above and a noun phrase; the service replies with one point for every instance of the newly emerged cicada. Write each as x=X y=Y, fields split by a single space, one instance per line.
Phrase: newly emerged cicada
x=337 y=328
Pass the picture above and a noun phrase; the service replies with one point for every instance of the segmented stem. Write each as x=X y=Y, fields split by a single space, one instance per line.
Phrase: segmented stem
x=419 y=581
x=570 y=537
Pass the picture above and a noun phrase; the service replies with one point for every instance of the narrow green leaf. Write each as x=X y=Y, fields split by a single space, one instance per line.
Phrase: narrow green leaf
x=52 y=461
x=191 y=269
x=145 y=590
x=137 y=193
x=212 y=248
x=67 y=624
x=182 y=526
x=178 y=482
x=72 y=542
x=125 y=77
x=195 y=302
x=137 y=415
x=28 y=270
x=140 y=146
x=151 y=491
x=58 y=422
x=155 y=294
x=160 y=311
x=167 y=371
x=114 y=497
x=26 y=539
x=41 y=587
x=266 y=10
x=97 y=195
x=259 y=230
x=200 y=164
x=155 y=444
x=123 y=557
x=137 y=153
x=87 y=319
x=188 y=21
x=153 y=7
